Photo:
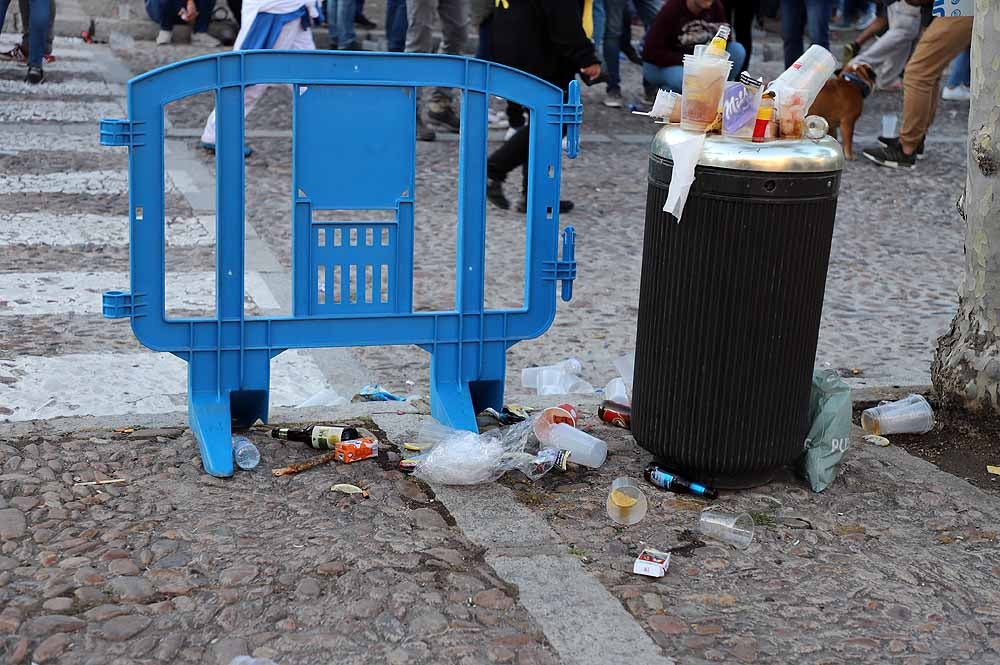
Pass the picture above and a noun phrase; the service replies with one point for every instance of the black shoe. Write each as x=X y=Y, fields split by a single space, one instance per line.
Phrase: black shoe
x=35 y=75
x=886 y=141
x=424 y=133
x=364 y=22
x=630 y=53
x=495 y=195
x=564 y=206
x=445 y=116
x=891 y=156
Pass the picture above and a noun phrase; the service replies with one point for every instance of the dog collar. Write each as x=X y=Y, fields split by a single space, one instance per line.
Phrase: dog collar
x=858 y=83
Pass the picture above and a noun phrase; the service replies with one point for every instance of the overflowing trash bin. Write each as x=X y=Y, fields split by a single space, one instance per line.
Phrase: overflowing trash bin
x=730 y=305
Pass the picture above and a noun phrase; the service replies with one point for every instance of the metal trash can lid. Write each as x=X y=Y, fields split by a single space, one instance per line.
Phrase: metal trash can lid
x=782 y=155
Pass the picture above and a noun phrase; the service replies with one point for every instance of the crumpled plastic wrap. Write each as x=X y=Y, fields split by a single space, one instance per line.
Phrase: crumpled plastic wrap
x=459 y=457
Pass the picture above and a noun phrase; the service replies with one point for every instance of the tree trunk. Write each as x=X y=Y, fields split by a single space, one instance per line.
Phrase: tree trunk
x=966 y=367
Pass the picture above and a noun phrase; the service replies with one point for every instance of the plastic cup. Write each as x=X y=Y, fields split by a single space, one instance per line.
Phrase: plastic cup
x=910 y=415
x=564 y=413
x=626 y=503
x=704 y=83
x=890 y=125
x=583 y=448
x=732 y=529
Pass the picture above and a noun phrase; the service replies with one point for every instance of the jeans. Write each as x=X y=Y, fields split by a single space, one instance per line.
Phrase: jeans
x=599 y=22
x=395 y=25
x=359 y=8
x=961 y=71
x=484 y=51
x=340 y=22
x=614 y=25
x=25 y=8
x=167 y=13
x=672 y=78
x=37 y=30
x=814 y=16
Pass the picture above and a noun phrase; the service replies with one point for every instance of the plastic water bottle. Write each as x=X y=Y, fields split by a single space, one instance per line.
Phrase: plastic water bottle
x=245 y=453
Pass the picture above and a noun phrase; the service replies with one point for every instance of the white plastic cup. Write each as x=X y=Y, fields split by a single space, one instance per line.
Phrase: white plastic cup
x=704 y=83
x=583 y=448
x=910 y=415
x=564 y=413
x=890 y=125
x=617 y=392
x=732 y=529
x=626 y=502
x=530 y=376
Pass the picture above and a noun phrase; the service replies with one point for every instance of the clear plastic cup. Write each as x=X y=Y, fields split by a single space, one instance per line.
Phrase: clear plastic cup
x=730 y=528
x=626 y=503
x=890 y=125
x=553 y=416
x=583 y=448
x=704 y=83
x=910 y=415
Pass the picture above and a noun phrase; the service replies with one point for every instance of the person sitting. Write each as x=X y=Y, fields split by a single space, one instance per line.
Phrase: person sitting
x=677 y=29
x=169 y=13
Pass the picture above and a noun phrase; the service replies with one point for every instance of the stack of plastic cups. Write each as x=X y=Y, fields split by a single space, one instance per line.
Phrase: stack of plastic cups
x=911 y=415
x=798 y=86
x=705 y=77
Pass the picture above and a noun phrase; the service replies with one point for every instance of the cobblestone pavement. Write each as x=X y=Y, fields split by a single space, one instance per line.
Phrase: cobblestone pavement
x=175 y=566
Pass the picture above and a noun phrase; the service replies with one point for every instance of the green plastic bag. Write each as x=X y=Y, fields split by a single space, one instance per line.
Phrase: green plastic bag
x=830 y=433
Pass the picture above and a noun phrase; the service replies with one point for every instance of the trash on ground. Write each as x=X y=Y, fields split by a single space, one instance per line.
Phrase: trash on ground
x=910 y=415
x=877 y=440
x=345 y=488
x=408 y=465
x=245 y=454
x=618 y=415
x=562 y=378
x=325 y=397
x=417 y=447
x=626 y=502
x=583 y=448
x=625 y=366
x=320 y=437
x=376 y=393
x=345 y=451
x=616 y=391
x=995 y=470
x=459 y=457
x=830 y=433
x=509 y=415
x=668 y=481
x=124 y=430
x=564 y=413
x=101 y=482
x=652 y=563
x=729 y=528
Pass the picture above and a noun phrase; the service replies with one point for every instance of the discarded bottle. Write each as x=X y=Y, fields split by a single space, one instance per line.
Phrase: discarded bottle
x=615 y=414
x=668 y=481
x=245 y=453
x=320 y=437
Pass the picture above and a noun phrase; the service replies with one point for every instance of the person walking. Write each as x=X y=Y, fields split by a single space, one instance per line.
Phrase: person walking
x=811 y=15
x=454 y=16
x=545 y=38
x=38 y=30
x=20 y=51
x=395 y=25
x=942 y=41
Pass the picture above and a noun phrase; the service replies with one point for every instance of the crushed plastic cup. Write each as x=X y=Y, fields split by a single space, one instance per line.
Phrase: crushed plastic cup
x=626 y=502
x=564 y=413
x=583 y=448
x=910 y=415
x=730 y=528
x=704 y=83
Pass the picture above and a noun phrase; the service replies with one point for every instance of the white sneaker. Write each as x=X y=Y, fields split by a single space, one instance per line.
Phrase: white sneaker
x=205 y=39
x=959 y=93
x=509 y=133
x=164 y=37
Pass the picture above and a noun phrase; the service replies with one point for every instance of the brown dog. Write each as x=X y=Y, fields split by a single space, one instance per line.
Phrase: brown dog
x=842 y=100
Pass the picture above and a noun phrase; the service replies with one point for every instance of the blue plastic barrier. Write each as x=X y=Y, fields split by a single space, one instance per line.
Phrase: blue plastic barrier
x=354 y=146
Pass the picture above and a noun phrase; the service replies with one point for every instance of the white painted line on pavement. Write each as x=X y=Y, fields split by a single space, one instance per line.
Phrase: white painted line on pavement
x=16 y=139
x=84 y=182
x=67 y=230
x=67 y=88
x=109 y=384
x=35 y=293
x=29 y=109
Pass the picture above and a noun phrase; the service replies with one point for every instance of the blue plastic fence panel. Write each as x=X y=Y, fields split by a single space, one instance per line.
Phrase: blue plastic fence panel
x=353 y=141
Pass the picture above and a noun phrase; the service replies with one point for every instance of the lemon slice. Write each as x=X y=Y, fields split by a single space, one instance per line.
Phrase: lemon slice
x=623 y=500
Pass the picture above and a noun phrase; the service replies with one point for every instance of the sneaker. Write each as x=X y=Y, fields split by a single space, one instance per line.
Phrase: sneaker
x=613 y=99
x=631 y=54
x=850 y=50
x=958 y=93
x=210 y=147
x=35 y=75
x=892 y=156
x=424 y=133
x=564 y=206
x=495 y=195
x=17 y=54
x=205 y=40
x=164 y=37
x=354 y=46
x=364 y=22
x=444 y=115
x=887 y=142
x=48 y=59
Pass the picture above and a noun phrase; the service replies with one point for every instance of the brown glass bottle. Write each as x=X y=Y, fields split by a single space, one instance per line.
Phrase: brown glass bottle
x=320 y=437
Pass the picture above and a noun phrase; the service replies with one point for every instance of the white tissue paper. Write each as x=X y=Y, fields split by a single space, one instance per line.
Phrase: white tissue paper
x=663 y=106
x=685 y=149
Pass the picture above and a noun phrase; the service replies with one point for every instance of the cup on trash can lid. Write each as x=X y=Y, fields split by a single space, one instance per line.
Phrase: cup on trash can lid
x=564 y=413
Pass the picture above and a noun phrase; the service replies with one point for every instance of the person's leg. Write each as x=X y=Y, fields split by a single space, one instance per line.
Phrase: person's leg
x=506 y=158
x=792 y=17
x=346 y=38
x=818 y=22
x=332 y=25
x=52 y=27
x=646 y=10
x=614 y=11
x=600 y=20
x=454 y=31
x=38 y=30
x=205 y=8
x=25 y=11
x=665 y=78
x=940 y=43
x=888 y=55
x=484 y=50
x=359 y=8
x=742 y=22
x=960 y=73
x=738 y=55
x=395 y=25
x=420 y=23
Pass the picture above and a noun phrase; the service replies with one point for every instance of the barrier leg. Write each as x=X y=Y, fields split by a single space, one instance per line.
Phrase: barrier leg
x=209 y=416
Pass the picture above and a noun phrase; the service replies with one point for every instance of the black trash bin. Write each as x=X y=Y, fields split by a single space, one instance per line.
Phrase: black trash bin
x=729 y=307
